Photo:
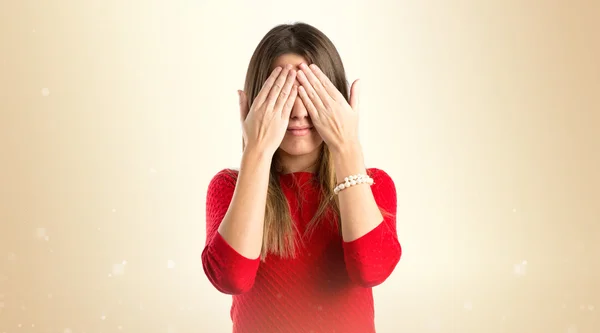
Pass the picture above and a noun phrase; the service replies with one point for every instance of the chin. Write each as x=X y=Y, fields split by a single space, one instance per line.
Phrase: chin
x=295 y=147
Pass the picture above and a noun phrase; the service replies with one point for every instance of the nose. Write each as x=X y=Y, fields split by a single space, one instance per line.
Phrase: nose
x=299 y=111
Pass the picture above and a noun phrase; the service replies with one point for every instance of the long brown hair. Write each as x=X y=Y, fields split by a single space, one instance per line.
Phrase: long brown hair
x=302 y=39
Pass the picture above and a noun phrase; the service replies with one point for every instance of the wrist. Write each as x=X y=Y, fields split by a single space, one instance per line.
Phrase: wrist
x=348 y=160
x=348 y=149
x=257 y=155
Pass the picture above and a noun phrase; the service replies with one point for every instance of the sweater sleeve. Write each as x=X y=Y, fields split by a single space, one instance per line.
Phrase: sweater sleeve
x=371 y=259
x=228 y=271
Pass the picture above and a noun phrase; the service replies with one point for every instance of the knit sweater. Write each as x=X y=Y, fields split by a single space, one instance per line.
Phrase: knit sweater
x=326 y=288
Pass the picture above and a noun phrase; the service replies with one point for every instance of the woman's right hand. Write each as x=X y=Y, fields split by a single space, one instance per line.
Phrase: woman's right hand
x=264 y=124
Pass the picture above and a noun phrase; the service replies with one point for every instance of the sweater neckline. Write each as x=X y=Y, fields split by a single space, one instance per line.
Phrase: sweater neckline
x=297 y=173
x=298 y=176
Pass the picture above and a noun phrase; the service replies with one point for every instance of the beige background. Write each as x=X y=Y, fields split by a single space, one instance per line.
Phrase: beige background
x=114 y=115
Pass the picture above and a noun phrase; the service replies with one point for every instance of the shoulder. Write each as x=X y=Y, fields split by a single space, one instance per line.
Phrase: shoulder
x=224 y=178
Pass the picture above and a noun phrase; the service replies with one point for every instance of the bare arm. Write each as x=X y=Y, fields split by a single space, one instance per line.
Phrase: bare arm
x=265 y=124
x=242 y=226
x=371 y=246
x=359 y=211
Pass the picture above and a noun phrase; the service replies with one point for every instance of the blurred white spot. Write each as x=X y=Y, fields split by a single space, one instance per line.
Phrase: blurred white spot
x=514 y=210
x=23 y=307
x=591 y=307
x=19 y=325
x=11 y=257
x=582 y=307
x=103 y=317
x=67 y=330
x=521 y=269
x=151 y=171
x=118 y=269
x=45 y=92
x=564 y=306
x=114 y=210
x=170 y=264
x=572 y=329
x=468 y=306
x=1 y=305
x=49 y=295
x=32 y=325
x=98 y=228
x=124 y=262
x=120 y=327
x=33 y=30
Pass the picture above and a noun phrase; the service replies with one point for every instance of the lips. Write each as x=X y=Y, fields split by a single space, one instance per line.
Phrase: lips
x=299 y=131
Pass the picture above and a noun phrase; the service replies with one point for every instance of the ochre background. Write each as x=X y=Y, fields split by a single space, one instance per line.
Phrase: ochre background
x=114 y=115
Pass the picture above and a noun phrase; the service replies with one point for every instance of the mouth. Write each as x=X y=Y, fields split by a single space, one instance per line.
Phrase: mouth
x=299 y=131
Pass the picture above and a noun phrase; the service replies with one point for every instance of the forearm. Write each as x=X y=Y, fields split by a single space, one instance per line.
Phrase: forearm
x=359 y=212
x=242 y=225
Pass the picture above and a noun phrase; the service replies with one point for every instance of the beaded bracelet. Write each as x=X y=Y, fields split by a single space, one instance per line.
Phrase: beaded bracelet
x=353 y=180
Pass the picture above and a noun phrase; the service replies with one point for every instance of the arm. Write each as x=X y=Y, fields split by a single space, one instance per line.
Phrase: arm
x=234 y=224
x=371 y=246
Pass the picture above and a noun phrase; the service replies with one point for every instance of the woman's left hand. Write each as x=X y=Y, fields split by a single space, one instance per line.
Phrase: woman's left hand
x=333 y=117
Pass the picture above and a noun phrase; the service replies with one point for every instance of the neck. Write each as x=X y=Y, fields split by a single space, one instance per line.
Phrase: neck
x=299 y=163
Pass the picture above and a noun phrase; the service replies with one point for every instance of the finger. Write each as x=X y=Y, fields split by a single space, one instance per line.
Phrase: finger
x=277 y=86
x=310 y=107
x=284 y=95
x=355 y=95
x=315 y=83
x=311 y=93
x=264 y=91
x=289 y=104
x=331 y=89
x=244 y=107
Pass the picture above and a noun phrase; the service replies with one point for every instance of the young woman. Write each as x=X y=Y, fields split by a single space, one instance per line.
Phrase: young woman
x=302 y=231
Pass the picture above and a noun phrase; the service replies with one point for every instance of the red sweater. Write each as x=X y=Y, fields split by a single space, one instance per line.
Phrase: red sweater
x=326 y=288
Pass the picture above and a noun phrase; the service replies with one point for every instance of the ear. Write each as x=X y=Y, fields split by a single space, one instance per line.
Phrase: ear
x=354 y=95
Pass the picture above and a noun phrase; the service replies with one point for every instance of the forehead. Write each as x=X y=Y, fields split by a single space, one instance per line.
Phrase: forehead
x=288 y=58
